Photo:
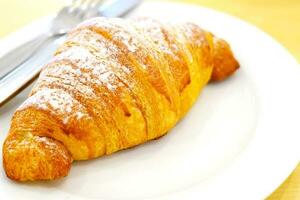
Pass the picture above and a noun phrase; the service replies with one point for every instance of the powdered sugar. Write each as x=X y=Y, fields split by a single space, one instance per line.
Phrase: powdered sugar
x=98 y=63
x=57 y=102
x=119 y=29
x=89 y=60
x=153 y=29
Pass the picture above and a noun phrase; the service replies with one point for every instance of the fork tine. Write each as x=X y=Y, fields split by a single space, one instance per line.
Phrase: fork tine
x=82 y=7
x=89 y=10
x=93 y=6
x=97 y=3
x=75 y=3
x=90 y=4
x=83 y=3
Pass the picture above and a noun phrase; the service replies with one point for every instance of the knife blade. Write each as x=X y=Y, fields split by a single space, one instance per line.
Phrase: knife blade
x=19 y=78
x=118 y=8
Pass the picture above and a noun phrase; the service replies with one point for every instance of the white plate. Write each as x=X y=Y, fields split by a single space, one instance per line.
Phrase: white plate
x=240 y=140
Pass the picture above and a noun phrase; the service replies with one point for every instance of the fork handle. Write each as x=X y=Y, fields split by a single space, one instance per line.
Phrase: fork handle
x=22 y=74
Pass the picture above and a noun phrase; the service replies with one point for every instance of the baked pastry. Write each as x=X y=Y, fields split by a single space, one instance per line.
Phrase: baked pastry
x=112 y=85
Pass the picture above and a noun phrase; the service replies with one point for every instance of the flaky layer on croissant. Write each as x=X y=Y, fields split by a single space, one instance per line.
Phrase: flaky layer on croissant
x=112 y=85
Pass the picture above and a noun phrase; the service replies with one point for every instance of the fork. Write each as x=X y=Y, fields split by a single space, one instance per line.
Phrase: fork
x=67 y=18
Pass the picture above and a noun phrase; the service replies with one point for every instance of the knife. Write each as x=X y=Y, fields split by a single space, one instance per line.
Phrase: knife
x=18 y=78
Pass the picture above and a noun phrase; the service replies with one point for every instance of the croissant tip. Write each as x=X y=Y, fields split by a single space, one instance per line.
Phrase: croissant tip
x=224 y=61
x=29 y=158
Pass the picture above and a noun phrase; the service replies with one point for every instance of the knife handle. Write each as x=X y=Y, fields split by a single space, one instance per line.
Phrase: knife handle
x=19 y=77
x=18 y=55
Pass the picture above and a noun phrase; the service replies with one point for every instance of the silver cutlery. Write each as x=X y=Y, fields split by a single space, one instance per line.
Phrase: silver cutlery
x=25 y=62
x=66 y=18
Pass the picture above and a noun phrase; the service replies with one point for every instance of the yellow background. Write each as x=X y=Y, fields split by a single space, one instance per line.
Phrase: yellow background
x=279 y=18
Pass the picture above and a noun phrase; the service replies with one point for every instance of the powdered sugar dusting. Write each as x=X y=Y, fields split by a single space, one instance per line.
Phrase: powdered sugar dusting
x=153 y=29
x=194 y=33
x=113 y=26
x=57 y=102
x=181 y=39
x=90 y=69
x=123 y=32
x=87 y=60
x=97 y=62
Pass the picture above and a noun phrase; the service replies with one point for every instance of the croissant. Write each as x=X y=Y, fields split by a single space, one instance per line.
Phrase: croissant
x=113 y=84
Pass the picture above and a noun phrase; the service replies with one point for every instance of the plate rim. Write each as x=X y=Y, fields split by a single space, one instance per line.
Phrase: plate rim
x=14 y=39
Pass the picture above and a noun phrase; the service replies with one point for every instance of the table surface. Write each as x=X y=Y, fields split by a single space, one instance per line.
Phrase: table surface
x=279 y=18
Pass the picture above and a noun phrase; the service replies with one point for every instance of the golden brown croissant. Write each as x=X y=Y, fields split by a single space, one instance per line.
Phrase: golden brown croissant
x=112 y=85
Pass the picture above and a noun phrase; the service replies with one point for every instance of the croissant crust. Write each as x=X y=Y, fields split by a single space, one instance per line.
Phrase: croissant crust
x=113 y=84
